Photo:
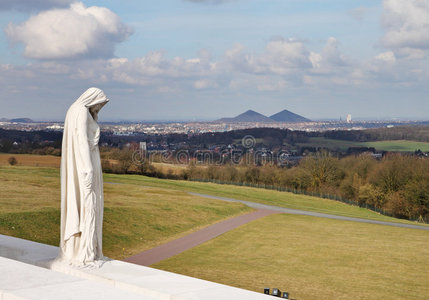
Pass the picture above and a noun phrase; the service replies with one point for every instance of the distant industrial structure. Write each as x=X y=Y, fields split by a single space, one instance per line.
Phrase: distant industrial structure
x=349 y=118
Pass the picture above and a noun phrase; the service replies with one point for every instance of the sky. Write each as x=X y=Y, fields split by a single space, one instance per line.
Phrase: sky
x=208 y=59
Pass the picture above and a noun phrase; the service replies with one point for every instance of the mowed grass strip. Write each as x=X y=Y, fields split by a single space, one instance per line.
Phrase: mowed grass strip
x=28 y=188
x=270 y=197
x=136 y=218
x=144 y=217
x=264 y=196
x=314 y=258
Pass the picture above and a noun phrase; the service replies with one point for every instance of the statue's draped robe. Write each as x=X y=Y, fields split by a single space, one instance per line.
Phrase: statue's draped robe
x=82 y=198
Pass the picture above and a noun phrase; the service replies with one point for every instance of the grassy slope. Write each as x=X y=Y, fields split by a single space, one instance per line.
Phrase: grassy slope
x=314 y=258
x=264 y=196
x=399 y=145
x=136 y=218
x=244 y=193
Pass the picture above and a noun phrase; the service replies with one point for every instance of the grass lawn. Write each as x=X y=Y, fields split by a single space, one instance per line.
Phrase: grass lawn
x=136 y=217
x=314 y=258
x=394 y=146
x=399 y=146
x=270 y=197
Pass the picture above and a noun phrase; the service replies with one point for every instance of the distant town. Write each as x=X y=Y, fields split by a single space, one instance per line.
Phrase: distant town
x=249 y=119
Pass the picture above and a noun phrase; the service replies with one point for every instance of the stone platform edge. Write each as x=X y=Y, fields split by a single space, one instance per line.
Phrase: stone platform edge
x=28 y=275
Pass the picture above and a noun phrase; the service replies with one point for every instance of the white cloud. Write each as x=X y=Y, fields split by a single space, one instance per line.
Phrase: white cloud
x=154 y=70
x=204 y=84
x=280 y=57
x=75 y=32
x=330 y=60
x=410 y=53
x=287 y=58
x=28 y=5
x=287 y=63
x=387 y=68
x=332 y=55
x=316 y=60
x=283 y=56
x=235 y=59
x=284 y=67
x=284 y=64
x=380 y=68
x=386 y=57
x=406 y=23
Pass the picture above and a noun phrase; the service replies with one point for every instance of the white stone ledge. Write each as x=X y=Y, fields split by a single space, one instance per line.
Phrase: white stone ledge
x=20 y=280
x=22 y=260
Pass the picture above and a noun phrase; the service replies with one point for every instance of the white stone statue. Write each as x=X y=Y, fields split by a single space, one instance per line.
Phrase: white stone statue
x=82 y=199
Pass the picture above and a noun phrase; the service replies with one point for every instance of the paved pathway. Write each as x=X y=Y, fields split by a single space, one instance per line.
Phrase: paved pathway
x=189 y=241
x=304 y=212
x=309 y=213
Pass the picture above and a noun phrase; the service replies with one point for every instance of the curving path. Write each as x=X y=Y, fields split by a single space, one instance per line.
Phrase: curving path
x=189 y=241
x=310 y=213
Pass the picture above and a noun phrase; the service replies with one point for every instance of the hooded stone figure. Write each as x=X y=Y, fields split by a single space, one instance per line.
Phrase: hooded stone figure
x=82 y=200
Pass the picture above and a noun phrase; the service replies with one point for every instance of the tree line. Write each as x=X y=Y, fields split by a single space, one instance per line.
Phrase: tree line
x=397 y=184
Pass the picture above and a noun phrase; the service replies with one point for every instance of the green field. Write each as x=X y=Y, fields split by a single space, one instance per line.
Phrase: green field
x=314 y=258
x=38 y=178
x=394 y=146
x=270 y=197
x=399 y=146
x=136 y=217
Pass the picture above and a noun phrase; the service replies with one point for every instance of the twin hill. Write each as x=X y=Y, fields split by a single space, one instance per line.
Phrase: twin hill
x=289 y=117
x=284 y=116
x=248 y=116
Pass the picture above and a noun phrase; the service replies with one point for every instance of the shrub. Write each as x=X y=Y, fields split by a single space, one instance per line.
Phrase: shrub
x=12 y=161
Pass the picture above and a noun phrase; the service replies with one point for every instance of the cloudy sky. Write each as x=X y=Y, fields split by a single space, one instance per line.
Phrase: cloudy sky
x=206 y=59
